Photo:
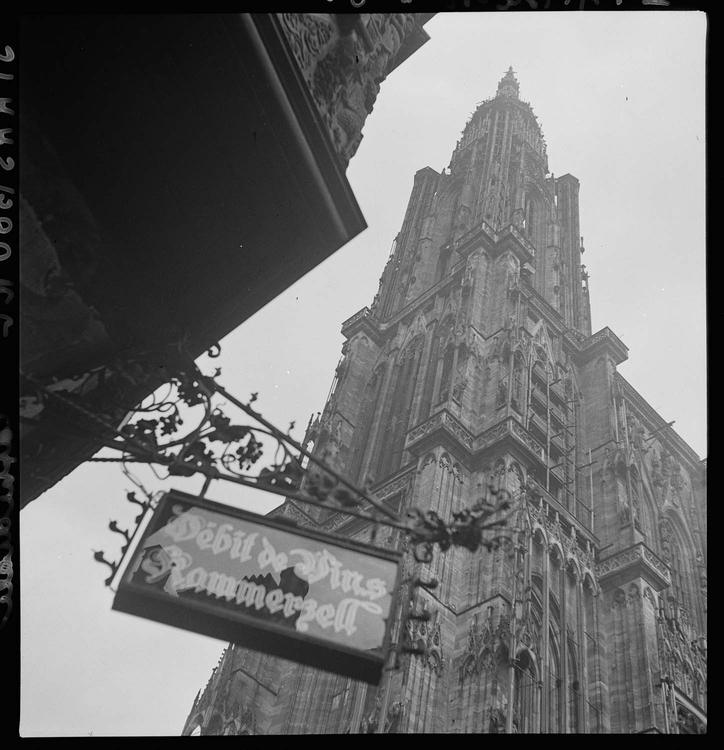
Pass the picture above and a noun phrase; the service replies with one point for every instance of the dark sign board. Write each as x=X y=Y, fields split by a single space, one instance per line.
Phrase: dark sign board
x=264 y=584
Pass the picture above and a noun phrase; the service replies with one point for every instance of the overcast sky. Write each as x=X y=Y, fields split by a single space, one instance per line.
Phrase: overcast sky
x=620 y=97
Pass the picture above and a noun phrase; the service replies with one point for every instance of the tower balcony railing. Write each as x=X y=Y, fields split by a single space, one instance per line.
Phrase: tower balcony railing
x=361 y=320
x=605 y=339
x=638 y=559
x=364 y=312
x=481 y=227
x=444 y=422
x=520 y=237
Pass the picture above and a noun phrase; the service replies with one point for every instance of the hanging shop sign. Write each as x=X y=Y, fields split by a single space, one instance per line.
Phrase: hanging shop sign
x=263 y=584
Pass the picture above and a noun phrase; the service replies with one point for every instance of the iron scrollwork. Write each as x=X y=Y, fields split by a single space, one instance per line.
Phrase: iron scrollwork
x=183 y=428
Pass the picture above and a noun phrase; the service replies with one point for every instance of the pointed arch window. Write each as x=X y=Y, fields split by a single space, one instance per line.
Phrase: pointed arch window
x=443 y=260
x=461 y=373
x=518 y=393
x=527 y=680
x=677 y=575
x=426 y=401
x=446 y=376
x=533 y=217
x=366 y=420
x=400 y=405
x=197 y=730
x=214 y=726
x=636 y=506
x=590 y=645
x=526 y=710
x=671 y=551
x=554 y=685
x=574 y=690
x=530 y=212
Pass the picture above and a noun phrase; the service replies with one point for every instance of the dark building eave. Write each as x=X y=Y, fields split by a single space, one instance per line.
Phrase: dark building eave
x=207 y=163
x=199 y=156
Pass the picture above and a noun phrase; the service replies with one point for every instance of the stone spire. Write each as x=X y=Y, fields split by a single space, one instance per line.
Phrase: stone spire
x=508 y=85
x=477 y=365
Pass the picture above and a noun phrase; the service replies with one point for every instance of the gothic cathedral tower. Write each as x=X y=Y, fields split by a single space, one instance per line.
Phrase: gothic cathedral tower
x=475 y=364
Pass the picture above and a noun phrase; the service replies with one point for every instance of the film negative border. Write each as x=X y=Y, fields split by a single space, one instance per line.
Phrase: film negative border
x=9 y=276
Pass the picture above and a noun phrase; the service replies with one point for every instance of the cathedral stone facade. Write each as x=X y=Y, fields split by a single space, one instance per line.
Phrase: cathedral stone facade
x=476 y=365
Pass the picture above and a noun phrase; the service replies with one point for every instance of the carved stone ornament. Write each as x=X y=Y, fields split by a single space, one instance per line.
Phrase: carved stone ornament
x=344 y=60
x=487 y=644
x=427 y=636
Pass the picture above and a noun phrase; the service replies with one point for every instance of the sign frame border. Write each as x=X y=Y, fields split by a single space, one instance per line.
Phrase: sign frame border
x=246 y=631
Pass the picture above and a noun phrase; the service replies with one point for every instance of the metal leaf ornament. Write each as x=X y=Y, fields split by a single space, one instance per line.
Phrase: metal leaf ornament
x=180 y=428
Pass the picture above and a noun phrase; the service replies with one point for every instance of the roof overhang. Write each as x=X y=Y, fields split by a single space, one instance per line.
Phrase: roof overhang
x=196 y=146
x=197 y=182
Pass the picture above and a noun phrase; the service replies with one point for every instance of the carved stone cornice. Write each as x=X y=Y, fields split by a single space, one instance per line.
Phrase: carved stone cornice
x=365 y=311
x=511 y=239
x=602 y=342
x=482 y=233
x=441 y=428
x=637 y=561
x=522 y=435
x=508 y=238
x=363 y=322
x=512 y=431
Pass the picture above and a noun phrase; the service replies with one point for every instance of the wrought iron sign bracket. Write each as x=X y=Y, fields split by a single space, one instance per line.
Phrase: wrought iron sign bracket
x=182 y=428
